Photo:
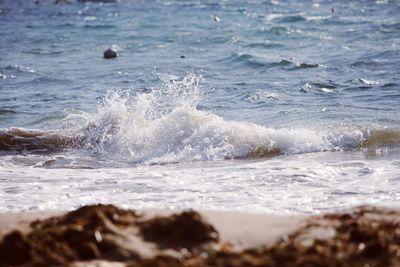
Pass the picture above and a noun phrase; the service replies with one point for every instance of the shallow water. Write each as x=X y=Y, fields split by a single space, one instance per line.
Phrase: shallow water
x=276 y=106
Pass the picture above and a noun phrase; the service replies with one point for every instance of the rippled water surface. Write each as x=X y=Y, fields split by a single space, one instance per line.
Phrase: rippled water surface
x=258 y=106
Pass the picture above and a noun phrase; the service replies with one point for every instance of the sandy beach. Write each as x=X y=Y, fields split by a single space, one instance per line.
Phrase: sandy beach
x=104 y=235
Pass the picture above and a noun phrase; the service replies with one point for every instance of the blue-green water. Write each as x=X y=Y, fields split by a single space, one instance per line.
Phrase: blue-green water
x=267 y=106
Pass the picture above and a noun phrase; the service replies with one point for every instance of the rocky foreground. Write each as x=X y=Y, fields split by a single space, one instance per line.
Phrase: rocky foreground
x=104 y=235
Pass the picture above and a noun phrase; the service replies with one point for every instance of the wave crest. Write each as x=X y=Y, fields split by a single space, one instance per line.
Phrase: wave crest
x=164 y=125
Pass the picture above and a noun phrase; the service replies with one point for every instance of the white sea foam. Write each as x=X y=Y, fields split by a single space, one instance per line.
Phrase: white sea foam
x=164 y=125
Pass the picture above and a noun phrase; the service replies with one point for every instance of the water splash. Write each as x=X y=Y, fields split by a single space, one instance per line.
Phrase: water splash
x=163 y=125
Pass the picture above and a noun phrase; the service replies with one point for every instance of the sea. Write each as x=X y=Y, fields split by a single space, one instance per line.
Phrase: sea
x=283 y=107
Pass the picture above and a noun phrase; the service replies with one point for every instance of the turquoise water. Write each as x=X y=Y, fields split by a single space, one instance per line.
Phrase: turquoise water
x=262 y=106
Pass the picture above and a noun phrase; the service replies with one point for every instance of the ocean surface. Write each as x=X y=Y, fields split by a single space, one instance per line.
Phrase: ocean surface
x=255 y=106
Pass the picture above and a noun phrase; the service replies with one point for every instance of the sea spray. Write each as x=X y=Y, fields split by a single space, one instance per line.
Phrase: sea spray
x=163 y=125
x=133 y=125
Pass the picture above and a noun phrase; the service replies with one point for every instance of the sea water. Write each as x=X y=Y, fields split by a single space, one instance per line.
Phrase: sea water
x=254 y=106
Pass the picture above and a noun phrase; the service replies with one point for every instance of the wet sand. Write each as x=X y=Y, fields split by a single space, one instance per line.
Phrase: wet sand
x=105 y=235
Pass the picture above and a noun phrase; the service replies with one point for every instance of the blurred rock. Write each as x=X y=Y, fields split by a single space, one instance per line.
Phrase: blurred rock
x=98 y=1
x=110 y=53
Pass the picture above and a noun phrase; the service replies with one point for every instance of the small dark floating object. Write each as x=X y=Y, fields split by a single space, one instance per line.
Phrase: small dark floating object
x=57 y=2
x=97 y=1
x=110 y=53
x=182 y=56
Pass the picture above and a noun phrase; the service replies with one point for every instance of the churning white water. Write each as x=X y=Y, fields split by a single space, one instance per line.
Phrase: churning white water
x=157 y=149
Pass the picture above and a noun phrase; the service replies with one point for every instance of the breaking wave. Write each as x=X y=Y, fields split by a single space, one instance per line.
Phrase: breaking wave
x=164 y=125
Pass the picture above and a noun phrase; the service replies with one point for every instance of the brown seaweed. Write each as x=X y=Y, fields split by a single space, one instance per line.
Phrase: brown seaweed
x=365 y=236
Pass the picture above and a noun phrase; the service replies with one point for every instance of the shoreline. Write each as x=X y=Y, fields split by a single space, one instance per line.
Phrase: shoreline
x=106 y=235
